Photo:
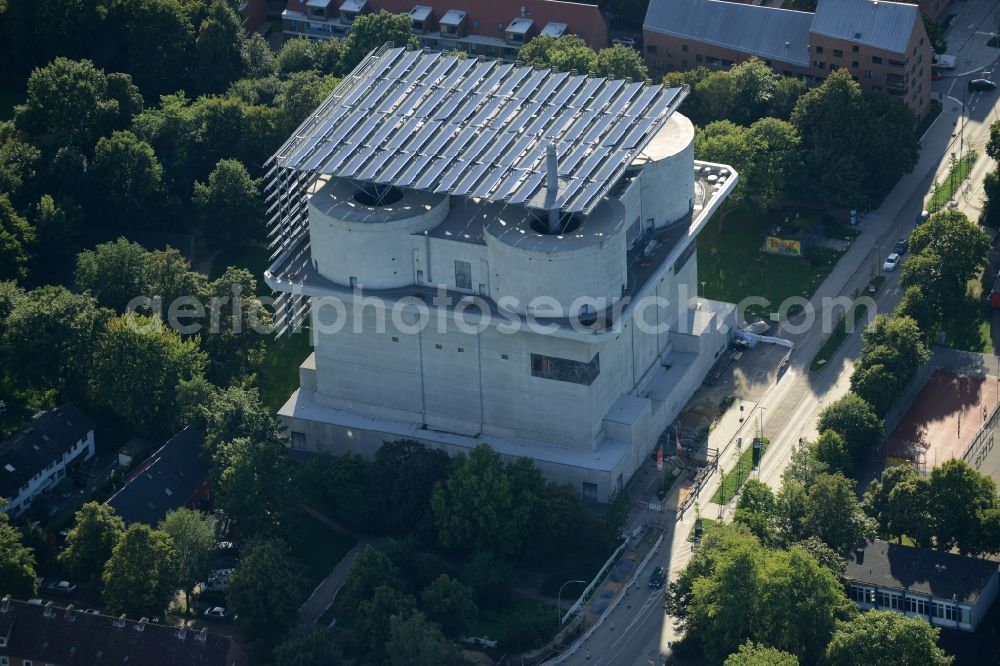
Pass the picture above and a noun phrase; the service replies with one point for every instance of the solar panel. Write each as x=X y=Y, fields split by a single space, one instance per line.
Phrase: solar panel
x=480 y=128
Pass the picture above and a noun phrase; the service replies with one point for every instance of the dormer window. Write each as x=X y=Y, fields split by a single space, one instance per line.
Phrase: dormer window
x=554 y=29
x=420 y=17
x=350 y=9
x=317 y=8
x=519 y=31
x=453 y=23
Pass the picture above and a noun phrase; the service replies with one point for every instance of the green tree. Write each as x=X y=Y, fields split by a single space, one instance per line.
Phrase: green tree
x=960 y=496
x=804 y=465
x=831 y=450
x=265 y=592
x=237 y=412
x=304 y=91
x=342 y=485
x=413 y=641
x=726 y=142
x=853 y=419
x=778 y=158
x=373 y=626
x=113 y=273
x=19 y=160
x=71 y=103
x=491 y=578
x=993 y=145
x=910 y=511
x=480 y=506
x=228 y=204
x=371 y=569
x=314 y=649
x=935 y=33
x=713 y=98
x=139 y=576
x=259 y=58
x=234 y=335
x=760 y=655
x=193 y=535
x=10 y=296
x=91 y=540
x=451 y=604
x=961 y=246
x=17 y=241
x=49 y=339
x=787 y=91
x=834 y=514
x=371 y=31
x=564 y=54
x=752 y=83
x=17 y=562
x=298 y=54
x=138 y=363
x=168 y=277
x=218 y=47
x=884 y=637
x=406 y=472
x=620 y=62
x=876 y=498
x=990 y=215
x=792 y=502
x=921 y=309
x=156 y=40
x=129 y=178
x=807 y=599
x=57 y=230
x=757 y=509
x=254 y=485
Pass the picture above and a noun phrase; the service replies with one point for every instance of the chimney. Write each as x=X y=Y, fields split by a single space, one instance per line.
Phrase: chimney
x=141 y=624
x=69 y=613
x=182 y=632
x=48 y=609
x=202 y=635
x=552 y=186
x=859 y=554
x=120 y=622
x=6 y=604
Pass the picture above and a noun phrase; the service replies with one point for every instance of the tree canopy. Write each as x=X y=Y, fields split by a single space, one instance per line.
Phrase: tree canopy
x=265 y=592
x=882 y=637
x=140 y=576
x=91 y=541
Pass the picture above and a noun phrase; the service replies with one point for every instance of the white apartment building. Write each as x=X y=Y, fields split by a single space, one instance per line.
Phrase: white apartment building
x=35 y=459
x=495 y=253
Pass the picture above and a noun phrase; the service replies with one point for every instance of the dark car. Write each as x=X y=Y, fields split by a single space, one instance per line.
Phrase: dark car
x=982 y=84
x=656 y=578
x=901 y=246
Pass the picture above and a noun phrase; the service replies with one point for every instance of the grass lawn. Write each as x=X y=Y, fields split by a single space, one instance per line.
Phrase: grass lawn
x=707 y=525
x=732 y=266
x=317 y=547
x=942 y=192
x=842 y=331
x=733 y=480
x=524 y=624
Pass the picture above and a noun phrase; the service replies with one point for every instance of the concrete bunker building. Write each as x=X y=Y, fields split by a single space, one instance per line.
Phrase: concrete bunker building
x=490 y=252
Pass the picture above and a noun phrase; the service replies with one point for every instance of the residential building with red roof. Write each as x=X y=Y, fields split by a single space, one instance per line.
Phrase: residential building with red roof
x=495 y=29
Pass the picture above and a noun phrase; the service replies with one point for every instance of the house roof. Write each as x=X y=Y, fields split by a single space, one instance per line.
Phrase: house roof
x=491 y=17
x=885 y=25
x=164 y=481
x=438 y=123
x=47 y=438
x=767 y=32
x=927 y=571
x=61 y=636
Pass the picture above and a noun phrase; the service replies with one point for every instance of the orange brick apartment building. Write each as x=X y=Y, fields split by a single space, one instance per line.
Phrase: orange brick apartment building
x=493 y=28
x=883 y=44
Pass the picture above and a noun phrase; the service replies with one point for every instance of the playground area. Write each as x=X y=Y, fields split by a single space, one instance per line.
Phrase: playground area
x=943 y=419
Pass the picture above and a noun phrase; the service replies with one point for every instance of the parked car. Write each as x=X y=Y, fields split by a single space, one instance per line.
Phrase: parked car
x=656 y=578
x=216 y=611
x=891 y=262
x=63 y=587
x=982 y=84
x=624 y=41
x=901 y=246
x=92 y=611
x=923 y=217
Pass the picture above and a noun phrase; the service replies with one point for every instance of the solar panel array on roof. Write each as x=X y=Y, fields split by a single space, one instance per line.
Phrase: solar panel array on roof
x=475 y=128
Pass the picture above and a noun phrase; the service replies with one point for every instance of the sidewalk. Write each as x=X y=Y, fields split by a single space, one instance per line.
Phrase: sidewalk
x=324 y=594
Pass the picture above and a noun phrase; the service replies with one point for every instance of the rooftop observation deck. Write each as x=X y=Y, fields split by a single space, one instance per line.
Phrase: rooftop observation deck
x=650 y=256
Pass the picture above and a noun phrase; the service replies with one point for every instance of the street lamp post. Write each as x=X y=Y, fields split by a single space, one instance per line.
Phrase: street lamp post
x=559 y=599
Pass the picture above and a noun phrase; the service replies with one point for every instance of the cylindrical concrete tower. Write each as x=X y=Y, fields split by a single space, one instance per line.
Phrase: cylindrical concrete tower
x=586 y=260
x=666 y=176
x=355 y=241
